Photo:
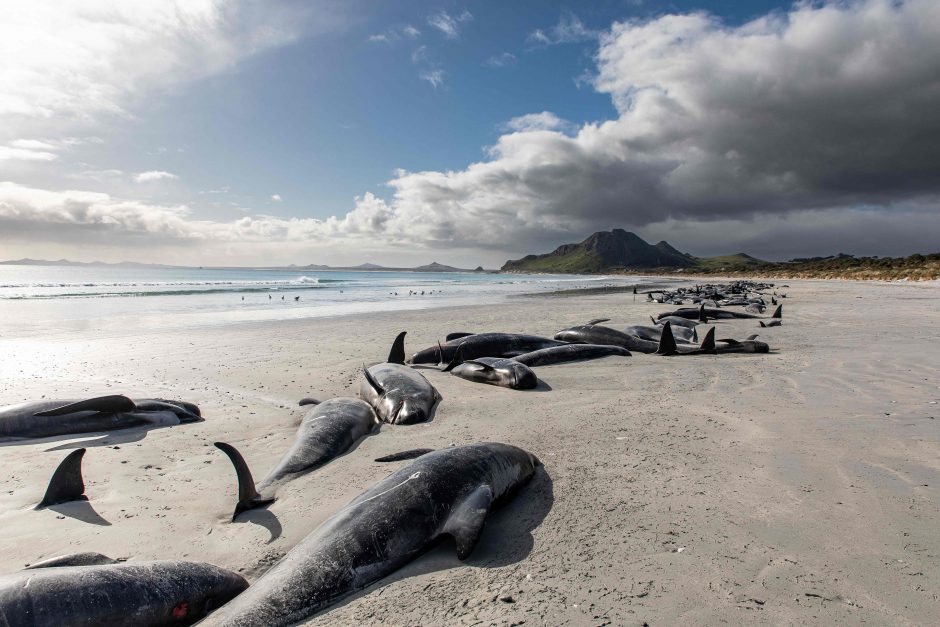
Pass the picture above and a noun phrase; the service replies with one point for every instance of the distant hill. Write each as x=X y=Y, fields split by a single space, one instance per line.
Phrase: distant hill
x=26 y=261
x=603 y=251
x=431 y=267
x=618 y=251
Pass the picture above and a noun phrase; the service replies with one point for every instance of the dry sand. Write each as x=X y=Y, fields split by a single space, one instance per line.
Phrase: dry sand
x=796 y=487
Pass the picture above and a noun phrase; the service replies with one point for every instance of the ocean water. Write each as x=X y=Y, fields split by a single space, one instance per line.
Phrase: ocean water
x=76 y=300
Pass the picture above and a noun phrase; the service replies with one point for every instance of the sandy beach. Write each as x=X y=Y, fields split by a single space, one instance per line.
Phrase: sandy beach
x=795 y=487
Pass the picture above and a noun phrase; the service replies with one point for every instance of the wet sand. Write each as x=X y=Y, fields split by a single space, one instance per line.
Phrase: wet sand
x=796 y=487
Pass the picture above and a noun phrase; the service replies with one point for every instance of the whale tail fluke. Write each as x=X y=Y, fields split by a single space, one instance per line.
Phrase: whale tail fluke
x=397 y=354
x=66 y=483
x=708 y=344
x=248 y=497
x=667 y=342
x=778 y=312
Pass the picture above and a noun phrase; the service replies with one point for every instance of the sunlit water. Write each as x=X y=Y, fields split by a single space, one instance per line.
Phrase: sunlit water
x=71 y=300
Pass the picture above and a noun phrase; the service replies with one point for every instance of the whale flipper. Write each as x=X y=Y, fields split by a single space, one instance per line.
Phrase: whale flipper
x=466 y=520
x=66 y=483
x=412 y=454
x=667 y=342
x=372 y=382
x=248 y=497
x=109 y=404
x=397 y=354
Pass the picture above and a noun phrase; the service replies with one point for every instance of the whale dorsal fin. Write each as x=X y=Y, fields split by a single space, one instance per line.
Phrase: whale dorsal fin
x=66 y=483
x=730 y=342
x=397 y=354
x=456 y=360
x=485 y=367
x=248 y=497
x=74 y=559
x=372 y=382
x=308 y=401
x=667 y=342
x=708 y=344
x=762 y=324
x=466 y=520
x=778 y=312
x=701 y=313
x=590 y=323
x=751 y=338
x=106 y=404
x=412 y=454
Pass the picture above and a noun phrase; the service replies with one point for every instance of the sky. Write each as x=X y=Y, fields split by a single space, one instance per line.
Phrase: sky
x=250 y=132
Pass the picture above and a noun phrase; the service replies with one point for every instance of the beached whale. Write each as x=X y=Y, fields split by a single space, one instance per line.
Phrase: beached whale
x=500 y=371
x=676 y=321
x=750 y=345
x=682 y=334
x=483 y=345
x=43 y=419
x=599 y=334
x=129 y=594
x=568 y=353
x=399 y=394
x=443 y=493
x=325 y=433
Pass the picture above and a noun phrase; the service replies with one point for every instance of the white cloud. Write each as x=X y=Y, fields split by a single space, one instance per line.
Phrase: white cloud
x=501 y=60
x=97 y=175
x=569 y=29
x=11 y=153
x=276 y=197
x=435 y=77
x=73 y=60
x=395 y=34
x=40 y=149
x=544 y=121
x=449 y=25
x=154 y=175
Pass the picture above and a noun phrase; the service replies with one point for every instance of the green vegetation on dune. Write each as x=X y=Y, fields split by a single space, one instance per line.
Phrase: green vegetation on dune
x=728 y=263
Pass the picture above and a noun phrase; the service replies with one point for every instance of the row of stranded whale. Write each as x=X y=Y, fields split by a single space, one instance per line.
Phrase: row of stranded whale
x=443 y=493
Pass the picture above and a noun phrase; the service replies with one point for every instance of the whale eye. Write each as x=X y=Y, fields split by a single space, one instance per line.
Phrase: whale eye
x=180 y=610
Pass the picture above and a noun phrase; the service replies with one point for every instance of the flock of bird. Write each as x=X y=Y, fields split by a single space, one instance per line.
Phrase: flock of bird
x=443 y=493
